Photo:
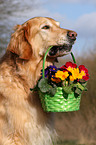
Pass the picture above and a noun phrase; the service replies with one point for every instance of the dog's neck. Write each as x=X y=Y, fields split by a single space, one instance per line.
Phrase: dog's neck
x=32 y=69
x=28 y=70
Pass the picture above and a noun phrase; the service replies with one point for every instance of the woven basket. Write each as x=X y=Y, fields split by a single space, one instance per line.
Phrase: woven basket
x=59 y=102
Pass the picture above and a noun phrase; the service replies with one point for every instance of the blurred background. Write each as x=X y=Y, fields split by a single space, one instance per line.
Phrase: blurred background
x=73 y=128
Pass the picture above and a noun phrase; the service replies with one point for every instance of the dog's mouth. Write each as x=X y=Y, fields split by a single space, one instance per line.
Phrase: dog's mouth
x=60 y=50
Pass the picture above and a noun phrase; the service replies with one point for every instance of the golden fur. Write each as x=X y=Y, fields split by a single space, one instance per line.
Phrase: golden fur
x=22 y=120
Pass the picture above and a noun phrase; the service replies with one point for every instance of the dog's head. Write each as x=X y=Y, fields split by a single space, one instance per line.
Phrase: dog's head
x=36 y=35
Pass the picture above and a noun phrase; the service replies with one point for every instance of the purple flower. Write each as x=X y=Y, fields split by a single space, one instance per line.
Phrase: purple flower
x=53 y=68
x=46 y=72
x=50 y=71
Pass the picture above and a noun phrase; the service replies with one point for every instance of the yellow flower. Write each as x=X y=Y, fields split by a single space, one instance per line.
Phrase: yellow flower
x=75 y=74
x=62 y=75
x=70 y=69
x=83 y=73
x=71 y=78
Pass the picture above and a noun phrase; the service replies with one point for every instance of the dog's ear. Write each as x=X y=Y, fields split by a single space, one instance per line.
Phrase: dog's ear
x=19 y=43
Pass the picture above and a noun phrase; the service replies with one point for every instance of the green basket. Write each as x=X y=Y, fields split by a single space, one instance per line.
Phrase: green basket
x=59 y=102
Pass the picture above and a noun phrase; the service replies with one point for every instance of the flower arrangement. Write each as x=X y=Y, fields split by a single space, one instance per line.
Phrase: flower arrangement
x=70 y=77
x=60 y=89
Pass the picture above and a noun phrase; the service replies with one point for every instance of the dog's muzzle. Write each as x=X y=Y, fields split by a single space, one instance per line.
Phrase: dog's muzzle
x=60 y=50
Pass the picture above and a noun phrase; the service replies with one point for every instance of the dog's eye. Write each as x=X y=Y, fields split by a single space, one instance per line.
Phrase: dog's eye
x=46 y=27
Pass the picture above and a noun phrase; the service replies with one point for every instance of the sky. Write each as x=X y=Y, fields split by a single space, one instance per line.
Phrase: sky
x=77 y=15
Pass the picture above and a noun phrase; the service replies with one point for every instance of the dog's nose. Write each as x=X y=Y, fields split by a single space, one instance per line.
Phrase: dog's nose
x=72 y=35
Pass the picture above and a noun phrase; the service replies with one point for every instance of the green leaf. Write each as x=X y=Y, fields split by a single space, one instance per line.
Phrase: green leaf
x=85 y=89
x=52 y=91
x=80 y=86
x=78 y=91
x=67 y=89
x=44 y=86
x=84 y=84
x=65 y=83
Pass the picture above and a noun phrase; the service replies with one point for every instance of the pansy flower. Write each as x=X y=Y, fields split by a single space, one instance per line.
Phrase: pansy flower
x=53 y=68
x=84 y=72
x=46 y=72
x=50 y=70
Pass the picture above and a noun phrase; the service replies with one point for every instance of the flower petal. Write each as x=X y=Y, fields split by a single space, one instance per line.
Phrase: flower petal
x=84 y=72
x=70 y=64
x=82 y=67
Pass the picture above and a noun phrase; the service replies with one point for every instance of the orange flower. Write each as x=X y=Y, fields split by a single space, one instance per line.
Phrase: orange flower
x=57 y=80
x=62 y=75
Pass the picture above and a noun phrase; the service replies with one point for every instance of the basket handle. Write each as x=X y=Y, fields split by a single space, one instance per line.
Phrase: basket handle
x=43 y=72
x=73 y=58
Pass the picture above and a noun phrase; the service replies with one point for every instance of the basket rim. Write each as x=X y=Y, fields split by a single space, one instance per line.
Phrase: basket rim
x=60 y=88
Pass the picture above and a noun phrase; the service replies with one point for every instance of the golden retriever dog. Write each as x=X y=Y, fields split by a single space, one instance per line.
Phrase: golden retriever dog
x=22 y=119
